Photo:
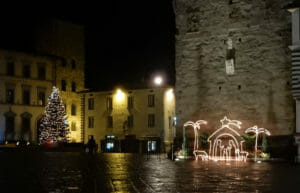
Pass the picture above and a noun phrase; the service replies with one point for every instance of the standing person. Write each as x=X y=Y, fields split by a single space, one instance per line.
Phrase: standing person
x=91 y=145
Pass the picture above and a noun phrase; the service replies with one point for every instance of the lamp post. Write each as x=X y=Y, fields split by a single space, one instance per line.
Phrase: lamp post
x=173 y=135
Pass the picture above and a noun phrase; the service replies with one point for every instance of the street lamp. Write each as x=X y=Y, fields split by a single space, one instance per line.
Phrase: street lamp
x=158 y=80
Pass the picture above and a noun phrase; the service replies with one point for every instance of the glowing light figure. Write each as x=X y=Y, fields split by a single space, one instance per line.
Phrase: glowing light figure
x=196 y=127
x=257 y=131
x=218 y=150
x=202 y=154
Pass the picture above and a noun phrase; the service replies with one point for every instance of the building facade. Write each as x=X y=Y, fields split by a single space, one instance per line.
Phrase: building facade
x=294 y=9
x=140 y=120
x=26 y=81
x=233 y=59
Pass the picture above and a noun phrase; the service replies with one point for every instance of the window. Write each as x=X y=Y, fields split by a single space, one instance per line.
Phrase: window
x=26 y=71
x=42 y=73
x=26 y=96
x=130 y=102
x=10 y=95
x=110 y=146
x=130 y=121
x=73 y=109
x=91 y=122
x=109 y=122
x=63 y=85
x=41 y=97
x=73 y=126
x=109 y=103
x=151 y=146
x=73 y=87
x=151 y=120
x=170 y=122
x=10 y=68
x=151 y=100
x=73 y=64
x=91 y=103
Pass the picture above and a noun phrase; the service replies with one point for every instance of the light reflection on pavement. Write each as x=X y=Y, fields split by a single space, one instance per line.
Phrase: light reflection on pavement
x=56 y=172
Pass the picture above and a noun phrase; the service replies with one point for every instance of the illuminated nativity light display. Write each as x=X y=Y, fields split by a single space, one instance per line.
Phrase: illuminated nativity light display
x=225 y=143
x=257 y=131
x=196 y=126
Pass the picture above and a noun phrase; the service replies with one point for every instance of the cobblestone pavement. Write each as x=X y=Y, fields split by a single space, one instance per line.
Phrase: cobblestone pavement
x=57 y=172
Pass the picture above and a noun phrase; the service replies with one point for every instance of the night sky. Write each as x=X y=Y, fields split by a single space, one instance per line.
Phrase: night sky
x=127 y=42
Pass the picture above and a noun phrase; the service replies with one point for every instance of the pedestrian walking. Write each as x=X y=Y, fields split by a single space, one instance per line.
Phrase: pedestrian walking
x=91 y=145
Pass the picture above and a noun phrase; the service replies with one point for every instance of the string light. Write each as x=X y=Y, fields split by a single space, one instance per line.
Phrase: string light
x=257 y=131
x=54 y=127
x=196 y=127
x=221 y=151
x=220 y=148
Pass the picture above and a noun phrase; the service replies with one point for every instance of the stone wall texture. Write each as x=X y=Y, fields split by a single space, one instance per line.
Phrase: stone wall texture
x=259 y=91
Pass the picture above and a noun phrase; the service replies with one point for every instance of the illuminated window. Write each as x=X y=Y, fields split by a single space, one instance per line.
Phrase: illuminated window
x=130 y=102
x=109 y=103
x=63 y=85
x=151 y=145
x=151 y=120
x=151 y=100
x=73 y=109
x=91 y=103
x=91 y=122
x=109 y=146
x=110 y=137
x=130 y=121
x=109 y=122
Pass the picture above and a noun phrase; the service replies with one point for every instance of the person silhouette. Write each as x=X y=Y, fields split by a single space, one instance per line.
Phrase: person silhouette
x=91 y=145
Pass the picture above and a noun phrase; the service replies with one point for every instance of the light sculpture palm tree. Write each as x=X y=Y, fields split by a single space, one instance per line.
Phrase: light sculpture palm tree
x=196 y=126
x=257 y=131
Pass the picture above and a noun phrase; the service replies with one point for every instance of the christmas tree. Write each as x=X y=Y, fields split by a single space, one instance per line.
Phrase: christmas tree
x=54 y=127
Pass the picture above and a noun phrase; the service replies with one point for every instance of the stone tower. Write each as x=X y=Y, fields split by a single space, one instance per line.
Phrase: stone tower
x=233 y=59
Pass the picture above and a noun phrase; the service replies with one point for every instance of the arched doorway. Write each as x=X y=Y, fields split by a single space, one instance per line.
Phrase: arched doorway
x=10 y=126
x=38 y=128
x=26 y=126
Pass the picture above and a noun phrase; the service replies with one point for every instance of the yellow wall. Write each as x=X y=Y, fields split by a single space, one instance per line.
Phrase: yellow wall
x=164 y=107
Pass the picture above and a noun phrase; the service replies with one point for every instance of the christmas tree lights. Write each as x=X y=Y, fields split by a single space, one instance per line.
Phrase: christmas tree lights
x=54 y=127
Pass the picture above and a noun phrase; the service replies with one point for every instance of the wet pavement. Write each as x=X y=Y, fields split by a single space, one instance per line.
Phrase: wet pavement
x=57 y=172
